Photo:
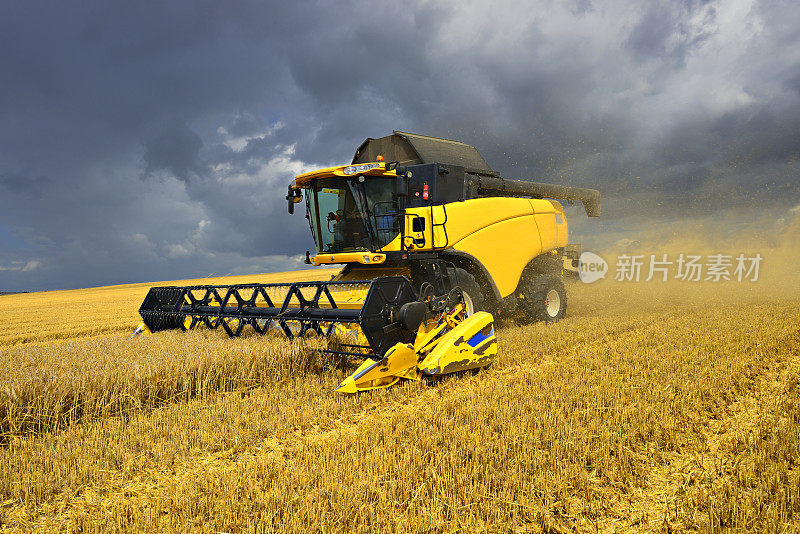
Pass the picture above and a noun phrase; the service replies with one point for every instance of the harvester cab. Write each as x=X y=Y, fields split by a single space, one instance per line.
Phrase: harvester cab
x=434 y=244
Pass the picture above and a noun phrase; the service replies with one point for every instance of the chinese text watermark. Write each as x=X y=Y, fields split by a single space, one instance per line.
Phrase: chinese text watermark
x=687 y=267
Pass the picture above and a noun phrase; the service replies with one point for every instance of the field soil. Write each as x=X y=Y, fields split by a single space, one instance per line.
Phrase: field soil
x=651 y=407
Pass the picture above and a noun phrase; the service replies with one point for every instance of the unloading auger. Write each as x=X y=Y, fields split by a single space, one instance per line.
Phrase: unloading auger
x=380 y=322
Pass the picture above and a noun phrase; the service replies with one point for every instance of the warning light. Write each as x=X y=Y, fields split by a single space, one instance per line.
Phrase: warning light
x=380 y=158
x=425 y=191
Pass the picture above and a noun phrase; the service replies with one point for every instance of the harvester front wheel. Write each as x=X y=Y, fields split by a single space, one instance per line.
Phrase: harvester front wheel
x=542 y=298
x=473 y=298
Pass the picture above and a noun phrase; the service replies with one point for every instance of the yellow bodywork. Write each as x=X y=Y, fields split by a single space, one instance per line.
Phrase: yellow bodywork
x=454 y=343
x=338 y=171
x=364 y=258
x=470 y=345
x=502 y=233
x=382 y=373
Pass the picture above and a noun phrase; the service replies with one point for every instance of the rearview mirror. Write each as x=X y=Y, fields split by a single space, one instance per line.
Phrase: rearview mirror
x=294 y=196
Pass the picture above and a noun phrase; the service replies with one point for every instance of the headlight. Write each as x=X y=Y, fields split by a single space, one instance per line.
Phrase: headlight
x=354 y=169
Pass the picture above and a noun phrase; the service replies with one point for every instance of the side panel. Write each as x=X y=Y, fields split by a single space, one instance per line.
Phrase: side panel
x=504 y=234
x=552 y=223
x=464 y=218
x=562 y=225
x=504 y=248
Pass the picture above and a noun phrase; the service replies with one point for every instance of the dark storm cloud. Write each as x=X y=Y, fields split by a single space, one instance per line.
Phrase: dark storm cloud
x=175 y=149
x=150 y=140
x=664 y=32
x=24 y=185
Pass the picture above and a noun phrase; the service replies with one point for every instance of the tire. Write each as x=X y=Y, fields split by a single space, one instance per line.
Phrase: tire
x=473 y=297
x=545 y=264
x=542 y=298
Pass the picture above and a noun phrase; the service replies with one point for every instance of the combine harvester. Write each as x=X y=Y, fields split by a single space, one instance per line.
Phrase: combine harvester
x=433 y=243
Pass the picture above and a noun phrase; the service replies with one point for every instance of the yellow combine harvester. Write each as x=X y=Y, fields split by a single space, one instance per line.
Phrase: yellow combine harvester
x=433 y=243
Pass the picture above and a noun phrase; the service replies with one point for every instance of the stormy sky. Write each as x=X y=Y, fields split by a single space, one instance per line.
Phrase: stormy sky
x=145 y=141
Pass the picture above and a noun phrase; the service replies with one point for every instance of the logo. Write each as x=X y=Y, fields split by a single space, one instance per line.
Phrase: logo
x=591 y=267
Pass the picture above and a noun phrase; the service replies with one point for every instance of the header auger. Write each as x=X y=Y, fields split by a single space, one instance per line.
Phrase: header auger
x=434 y=245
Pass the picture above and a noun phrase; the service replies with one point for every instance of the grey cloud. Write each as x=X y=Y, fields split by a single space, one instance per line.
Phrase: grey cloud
x=30 y=186
x=667 y=33
x=176 y=149
x=148 y=141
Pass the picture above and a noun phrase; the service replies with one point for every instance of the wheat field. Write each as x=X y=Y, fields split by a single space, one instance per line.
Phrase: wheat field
x=652 y=407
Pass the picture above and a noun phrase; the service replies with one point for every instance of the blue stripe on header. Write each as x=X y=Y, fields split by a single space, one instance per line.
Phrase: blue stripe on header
x=478 y=338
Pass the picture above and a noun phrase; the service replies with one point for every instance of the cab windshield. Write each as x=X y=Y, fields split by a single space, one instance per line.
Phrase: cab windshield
x=348 y=216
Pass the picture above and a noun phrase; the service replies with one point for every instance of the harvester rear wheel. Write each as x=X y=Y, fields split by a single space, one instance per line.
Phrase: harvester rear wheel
x=542 y=298
x=473 y=298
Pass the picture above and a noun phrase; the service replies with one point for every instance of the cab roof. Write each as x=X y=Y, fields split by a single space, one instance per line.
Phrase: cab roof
x=413 y=149
x=378 y=169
